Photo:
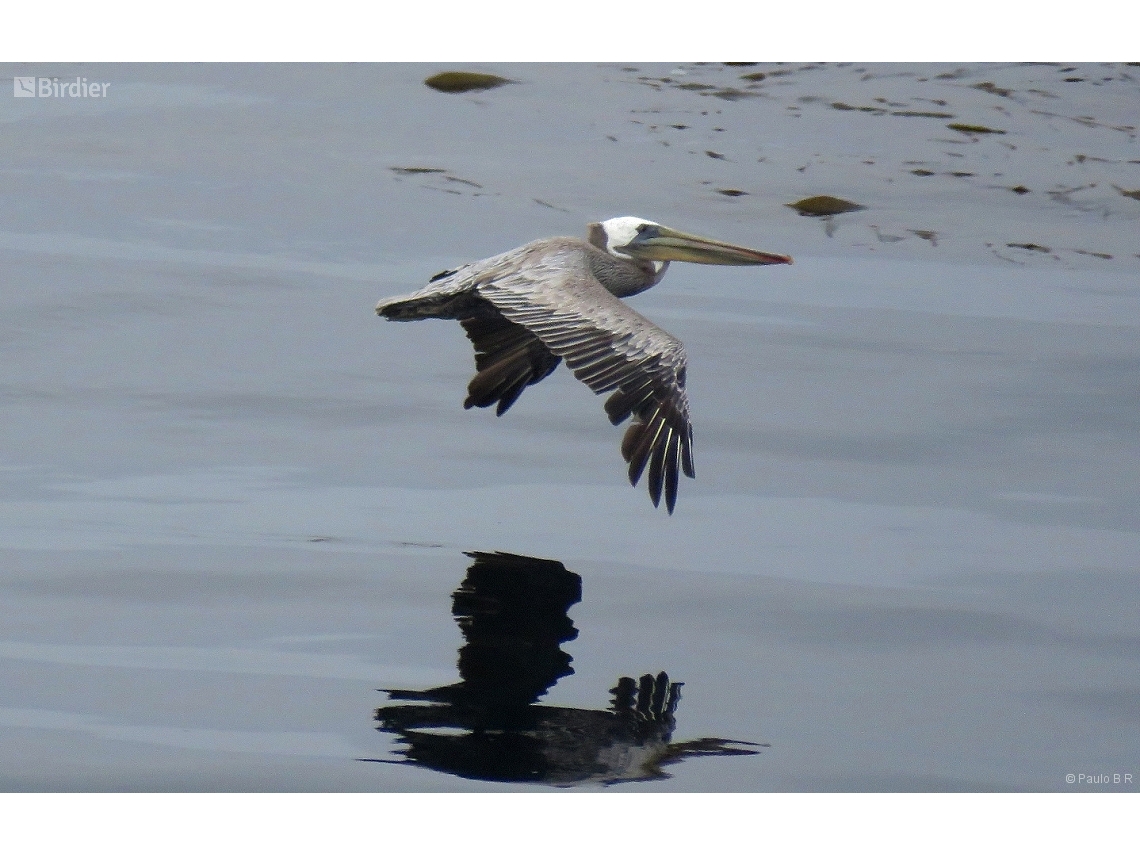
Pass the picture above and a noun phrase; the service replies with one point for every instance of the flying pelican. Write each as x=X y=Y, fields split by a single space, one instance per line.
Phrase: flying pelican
x=528 y=309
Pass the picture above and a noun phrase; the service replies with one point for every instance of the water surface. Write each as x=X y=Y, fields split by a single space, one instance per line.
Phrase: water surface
x=234 y=504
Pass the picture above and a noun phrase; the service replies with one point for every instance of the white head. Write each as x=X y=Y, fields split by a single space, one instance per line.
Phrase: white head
x=619 y=232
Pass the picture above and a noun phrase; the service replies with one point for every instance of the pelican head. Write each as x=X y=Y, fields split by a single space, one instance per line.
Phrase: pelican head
x=635 y=239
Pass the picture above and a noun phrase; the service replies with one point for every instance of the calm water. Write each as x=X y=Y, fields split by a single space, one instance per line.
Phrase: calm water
x=234 y=504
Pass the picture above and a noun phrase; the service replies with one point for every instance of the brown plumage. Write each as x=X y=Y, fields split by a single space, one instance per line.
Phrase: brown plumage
x=528 y=309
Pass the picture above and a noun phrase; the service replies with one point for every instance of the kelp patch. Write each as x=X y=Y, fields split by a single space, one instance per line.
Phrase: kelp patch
x=972 y=129
x=465 y=81
x=823 y=206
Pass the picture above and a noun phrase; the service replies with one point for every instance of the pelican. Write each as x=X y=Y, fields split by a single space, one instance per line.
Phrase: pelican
x=560 y=298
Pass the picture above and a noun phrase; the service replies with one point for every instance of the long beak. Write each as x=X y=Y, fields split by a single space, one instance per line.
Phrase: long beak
x=660 y=243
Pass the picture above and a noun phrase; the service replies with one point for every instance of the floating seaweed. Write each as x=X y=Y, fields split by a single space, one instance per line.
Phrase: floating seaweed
x=924 y=114
x=552 y=207
x=822 y=206
x=839 y=105
x=755 y=76
x=1131 y=194
x=463 y=181
x=435 y=172
x=992 y=88
x=1032 y=247
x=921 y=172
x=730 y=93
x=731 y=192
x=715 y=155
x=1020 y=189
x=972 y=129
x=465 y=81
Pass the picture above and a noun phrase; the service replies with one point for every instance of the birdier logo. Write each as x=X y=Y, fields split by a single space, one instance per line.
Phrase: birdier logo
x=53 y=87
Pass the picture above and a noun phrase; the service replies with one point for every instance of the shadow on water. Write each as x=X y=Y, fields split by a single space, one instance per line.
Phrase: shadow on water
x=512 y=610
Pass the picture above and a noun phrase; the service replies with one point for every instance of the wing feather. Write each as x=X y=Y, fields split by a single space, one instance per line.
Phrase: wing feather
x=508 y=358
x=550 y=294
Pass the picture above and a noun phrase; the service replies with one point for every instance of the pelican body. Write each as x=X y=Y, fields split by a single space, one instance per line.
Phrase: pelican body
x=560 y=298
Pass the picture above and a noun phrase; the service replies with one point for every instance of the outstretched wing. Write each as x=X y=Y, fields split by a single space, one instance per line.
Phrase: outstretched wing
x=550 y=293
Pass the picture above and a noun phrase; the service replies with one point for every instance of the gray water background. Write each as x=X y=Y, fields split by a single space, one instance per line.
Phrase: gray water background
x=234 y=503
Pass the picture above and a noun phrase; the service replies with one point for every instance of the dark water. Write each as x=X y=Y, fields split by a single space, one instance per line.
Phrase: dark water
x=234 y=504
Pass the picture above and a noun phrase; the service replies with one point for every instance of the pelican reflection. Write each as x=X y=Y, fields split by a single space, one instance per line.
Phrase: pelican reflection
x=512 y=610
